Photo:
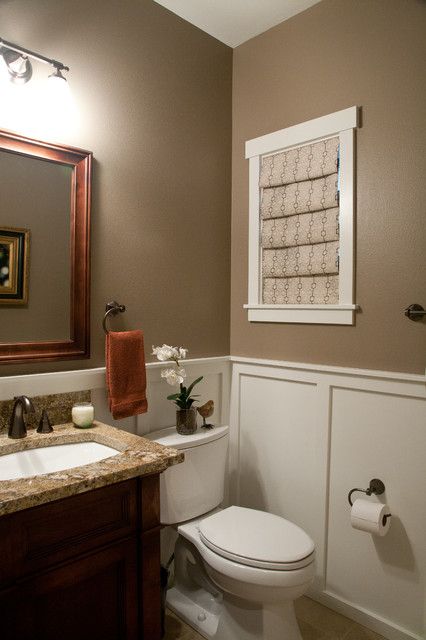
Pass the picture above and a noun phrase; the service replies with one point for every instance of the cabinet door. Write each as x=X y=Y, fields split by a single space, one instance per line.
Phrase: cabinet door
x=93 y=598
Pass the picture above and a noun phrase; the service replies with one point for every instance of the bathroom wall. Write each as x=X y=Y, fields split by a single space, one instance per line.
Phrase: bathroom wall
x=151 y=97
x=304 y=434
x=337 y=54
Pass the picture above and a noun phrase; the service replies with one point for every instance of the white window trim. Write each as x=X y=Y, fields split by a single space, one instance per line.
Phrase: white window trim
x=341 y=123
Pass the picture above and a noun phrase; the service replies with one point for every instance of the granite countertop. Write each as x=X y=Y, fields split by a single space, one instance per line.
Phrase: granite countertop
x=138 y=457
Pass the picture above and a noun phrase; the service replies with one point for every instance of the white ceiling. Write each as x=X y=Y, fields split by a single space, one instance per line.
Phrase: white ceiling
x=235 y=21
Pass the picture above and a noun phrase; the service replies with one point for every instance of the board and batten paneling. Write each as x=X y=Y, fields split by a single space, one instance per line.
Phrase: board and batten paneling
x=161 y=412
x=383 y=436
x=278 y=431
x=302 y=436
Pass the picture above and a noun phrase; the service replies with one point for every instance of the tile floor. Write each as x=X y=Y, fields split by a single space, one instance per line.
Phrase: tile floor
x=316 y=623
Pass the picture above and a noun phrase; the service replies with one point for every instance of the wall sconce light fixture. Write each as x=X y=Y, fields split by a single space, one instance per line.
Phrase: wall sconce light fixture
x=18 y=65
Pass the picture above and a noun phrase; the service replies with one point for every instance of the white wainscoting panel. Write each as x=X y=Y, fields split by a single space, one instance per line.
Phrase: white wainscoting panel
x=302 y=436
x=214 y=386
x=278 y=463
x=376 y=435
x=161 y=412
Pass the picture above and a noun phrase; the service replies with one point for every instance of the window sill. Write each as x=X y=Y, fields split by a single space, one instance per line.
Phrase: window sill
x=299 y=313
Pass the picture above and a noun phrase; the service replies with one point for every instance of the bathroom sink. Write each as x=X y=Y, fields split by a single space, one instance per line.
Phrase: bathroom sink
x=35 y=462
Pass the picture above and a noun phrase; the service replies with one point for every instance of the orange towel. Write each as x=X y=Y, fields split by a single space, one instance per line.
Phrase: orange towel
x=125 y=373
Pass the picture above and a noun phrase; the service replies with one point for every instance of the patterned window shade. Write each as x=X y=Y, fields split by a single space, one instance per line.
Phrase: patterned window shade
x=300 y=225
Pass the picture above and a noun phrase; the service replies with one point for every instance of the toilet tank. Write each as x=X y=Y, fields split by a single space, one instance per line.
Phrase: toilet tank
x=195 y=486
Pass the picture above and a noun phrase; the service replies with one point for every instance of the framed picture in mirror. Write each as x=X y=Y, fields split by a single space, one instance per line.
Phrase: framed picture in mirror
x=14 y=265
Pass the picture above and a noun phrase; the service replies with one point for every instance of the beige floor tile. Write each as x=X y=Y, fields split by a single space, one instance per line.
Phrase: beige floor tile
x=322 y=618
x=316 y=623
x=312 y=633
x=361 y=633
x=176 y=629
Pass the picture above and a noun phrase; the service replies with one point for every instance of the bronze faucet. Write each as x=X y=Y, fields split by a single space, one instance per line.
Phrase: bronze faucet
x=17 y=426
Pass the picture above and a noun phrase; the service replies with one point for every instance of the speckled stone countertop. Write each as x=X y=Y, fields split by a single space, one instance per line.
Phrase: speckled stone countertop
x=138 y=457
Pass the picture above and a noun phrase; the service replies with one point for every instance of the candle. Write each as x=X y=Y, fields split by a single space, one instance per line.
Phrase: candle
x=82 y=415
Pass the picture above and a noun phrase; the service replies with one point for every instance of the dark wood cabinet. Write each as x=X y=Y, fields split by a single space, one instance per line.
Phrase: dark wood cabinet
x=85 y=567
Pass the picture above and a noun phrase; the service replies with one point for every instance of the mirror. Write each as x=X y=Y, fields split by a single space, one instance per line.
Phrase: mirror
x=44 y=250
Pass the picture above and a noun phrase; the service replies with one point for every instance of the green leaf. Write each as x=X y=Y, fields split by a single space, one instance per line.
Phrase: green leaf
x=191 y=386
x=173 y=396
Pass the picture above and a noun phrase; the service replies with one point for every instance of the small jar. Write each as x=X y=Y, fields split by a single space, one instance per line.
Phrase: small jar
x=83 y=414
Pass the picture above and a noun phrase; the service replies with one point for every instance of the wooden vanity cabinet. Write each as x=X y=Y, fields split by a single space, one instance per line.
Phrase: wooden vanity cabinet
x=85 y=567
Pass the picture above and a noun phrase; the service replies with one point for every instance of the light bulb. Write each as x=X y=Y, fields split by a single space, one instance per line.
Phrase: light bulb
x=57 y=77
x=4 y=74
x=18 y=66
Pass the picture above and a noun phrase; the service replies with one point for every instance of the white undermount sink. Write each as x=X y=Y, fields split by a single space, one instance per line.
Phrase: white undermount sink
x=35 y=462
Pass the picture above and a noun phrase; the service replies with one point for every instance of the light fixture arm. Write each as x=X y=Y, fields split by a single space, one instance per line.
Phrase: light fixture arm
x=32 y=54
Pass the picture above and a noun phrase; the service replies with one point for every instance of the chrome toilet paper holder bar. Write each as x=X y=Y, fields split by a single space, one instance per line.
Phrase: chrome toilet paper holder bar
x=376 y=486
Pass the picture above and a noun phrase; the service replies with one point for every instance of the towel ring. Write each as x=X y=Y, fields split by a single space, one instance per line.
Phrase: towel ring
x=111 y=308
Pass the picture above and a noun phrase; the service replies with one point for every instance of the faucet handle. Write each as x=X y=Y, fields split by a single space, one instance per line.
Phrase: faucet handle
x=44 y=426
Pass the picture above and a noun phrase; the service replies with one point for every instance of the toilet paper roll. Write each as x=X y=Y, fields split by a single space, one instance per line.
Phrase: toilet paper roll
x=369 y=516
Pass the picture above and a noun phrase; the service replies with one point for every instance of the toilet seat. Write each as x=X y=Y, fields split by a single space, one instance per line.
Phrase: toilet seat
x=257 y=539
x=235 y=570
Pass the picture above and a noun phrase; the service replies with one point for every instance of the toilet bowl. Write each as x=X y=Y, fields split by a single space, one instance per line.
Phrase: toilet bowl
x=237 y=570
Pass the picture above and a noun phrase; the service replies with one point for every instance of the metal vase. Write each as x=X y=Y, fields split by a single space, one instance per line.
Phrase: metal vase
x=186 y=421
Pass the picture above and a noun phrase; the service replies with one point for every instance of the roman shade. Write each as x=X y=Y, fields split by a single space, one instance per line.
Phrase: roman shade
x=299 y=215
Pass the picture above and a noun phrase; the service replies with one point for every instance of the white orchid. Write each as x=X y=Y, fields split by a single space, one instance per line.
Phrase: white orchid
x=165 y=352
x=174 y=376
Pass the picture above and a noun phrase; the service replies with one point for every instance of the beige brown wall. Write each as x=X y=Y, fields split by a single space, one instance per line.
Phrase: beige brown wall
x=153 y=98
x=337 y=54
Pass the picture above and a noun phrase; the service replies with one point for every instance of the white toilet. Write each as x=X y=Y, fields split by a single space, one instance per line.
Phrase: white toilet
x=237 y=570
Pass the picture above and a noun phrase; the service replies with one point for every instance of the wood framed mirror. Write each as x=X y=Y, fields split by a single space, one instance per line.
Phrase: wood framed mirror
x=45 y=192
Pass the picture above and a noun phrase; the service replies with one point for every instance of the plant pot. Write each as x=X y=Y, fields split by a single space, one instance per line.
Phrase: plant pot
x=186 y=421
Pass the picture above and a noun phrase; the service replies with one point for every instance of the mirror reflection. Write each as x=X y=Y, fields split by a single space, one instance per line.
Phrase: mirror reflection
x=35 y=240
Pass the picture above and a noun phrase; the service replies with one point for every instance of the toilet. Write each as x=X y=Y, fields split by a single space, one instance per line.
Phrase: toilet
x=237 y=570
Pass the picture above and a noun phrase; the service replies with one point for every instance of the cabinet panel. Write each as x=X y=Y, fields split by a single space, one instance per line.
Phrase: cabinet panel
x=54 y=532
x=149 y=496
x=85 y=567
x=89 y=599
x=149 y=596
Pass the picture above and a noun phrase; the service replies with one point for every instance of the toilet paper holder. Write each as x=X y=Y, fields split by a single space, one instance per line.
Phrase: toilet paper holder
x=376 y=486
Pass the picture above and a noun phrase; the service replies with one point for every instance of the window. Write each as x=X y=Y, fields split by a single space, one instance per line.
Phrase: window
x=301 y=222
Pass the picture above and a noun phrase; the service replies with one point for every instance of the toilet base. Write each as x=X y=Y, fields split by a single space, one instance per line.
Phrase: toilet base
x=218 y=614
x=229 y=618
x=200 y=613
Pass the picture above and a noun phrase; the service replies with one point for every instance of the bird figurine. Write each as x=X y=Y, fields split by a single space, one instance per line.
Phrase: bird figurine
x=205 y=411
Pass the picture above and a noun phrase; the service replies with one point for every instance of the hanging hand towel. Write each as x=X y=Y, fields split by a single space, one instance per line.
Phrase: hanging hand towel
x=125 y=373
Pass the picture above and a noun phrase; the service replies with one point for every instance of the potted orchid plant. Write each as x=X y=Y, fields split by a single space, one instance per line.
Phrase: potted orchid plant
x=186 y=414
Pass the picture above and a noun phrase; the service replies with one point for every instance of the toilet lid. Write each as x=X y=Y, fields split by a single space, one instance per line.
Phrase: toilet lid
x=257 y=539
